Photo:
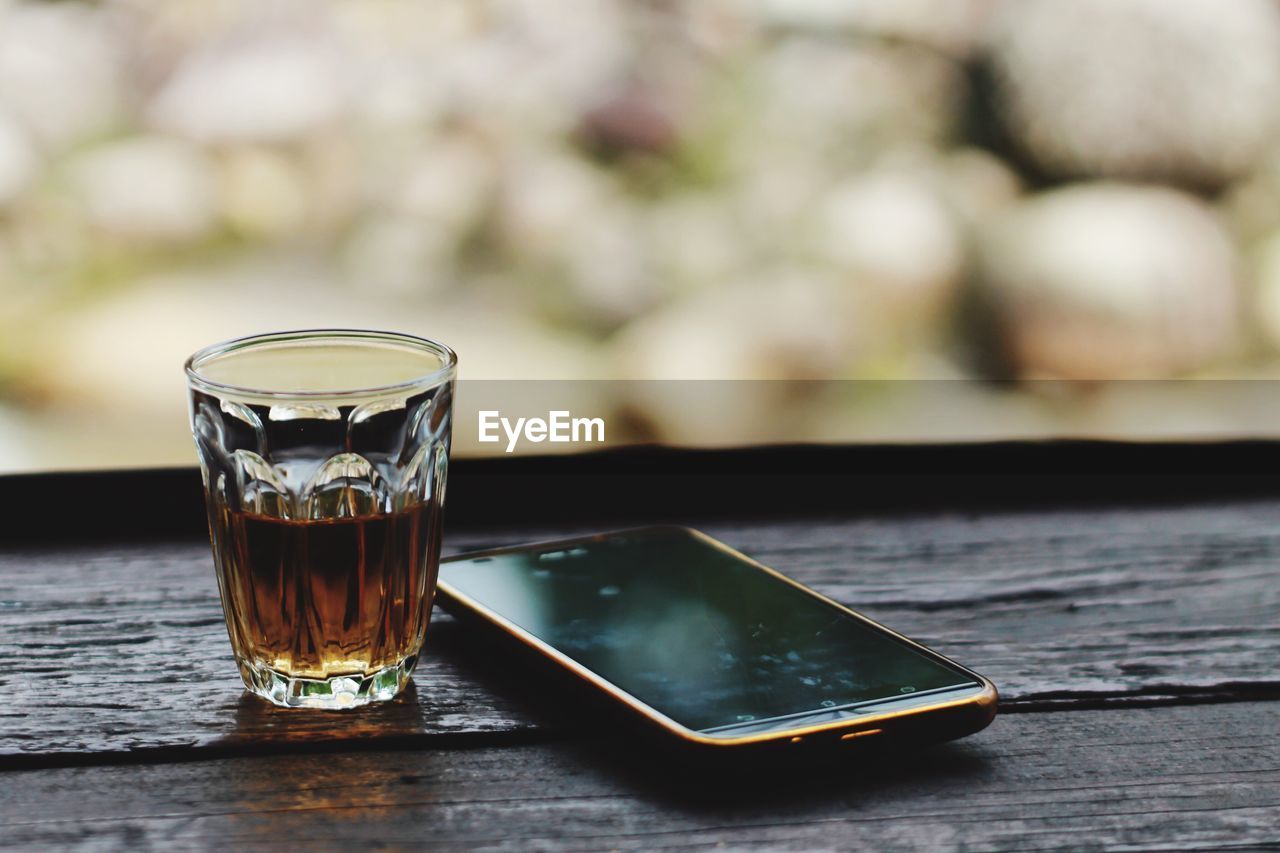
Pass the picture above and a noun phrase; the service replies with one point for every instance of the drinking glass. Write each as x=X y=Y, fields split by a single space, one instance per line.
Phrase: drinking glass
x=324 y=456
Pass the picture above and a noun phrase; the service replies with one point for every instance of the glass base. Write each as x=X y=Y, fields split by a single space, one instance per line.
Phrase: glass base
x=338 y=693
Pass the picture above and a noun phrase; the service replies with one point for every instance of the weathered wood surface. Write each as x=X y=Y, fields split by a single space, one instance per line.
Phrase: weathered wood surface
x=124 y=649
x=1073 y=608
x=1162 y=778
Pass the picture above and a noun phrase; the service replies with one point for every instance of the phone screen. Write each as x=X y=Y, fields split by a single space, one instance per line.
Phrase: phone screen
x=699 y=634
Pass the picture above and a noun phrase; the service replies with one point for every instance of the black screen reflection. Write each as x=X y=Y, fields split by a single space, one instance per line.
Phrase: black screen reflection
x=693 y=631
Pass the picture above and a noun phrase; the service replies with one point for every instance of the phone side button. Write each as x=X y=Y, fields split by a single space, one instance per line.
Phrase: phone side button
x=861 y=733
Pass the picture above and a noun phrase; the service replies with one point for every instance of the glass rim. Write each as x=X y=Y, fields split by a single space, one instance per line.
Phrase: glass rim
x=207 y=354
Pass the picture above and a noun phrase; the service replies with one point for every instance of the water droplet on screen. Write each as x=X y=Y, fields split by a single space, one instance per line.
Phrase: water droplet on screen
x=907 y=689
x=610 y=591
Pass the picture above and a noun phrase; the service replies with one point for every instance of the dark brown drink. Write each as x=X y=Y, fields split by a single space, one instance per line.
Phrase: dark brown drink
x=330 y=597
x=324 y=455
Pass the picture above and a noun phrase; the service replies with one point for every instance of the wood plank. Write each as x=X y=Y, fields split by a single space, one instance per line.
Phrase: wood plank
x=1121 y=603
x=1163 y=778
x=1071 y=607
x=124 y=649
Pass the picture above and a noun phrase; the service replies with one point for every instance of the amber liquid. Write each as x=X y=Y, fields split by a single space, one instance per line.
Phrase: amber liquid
x=318 y=599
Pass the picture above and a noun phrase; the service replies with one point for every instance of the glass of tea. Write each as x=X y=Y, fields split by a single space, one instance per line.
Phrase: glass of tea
x=324 y=455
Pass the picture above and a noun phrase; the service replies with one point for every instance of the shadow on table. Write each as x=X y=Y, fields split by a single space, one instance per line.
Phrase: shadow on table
x=580 y=724
x=656 y=776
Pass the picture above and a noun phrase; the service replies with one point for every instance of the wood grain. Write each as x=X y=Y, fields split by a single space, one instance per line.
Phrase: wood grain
x=123 y=649
x=1159 y=778
x=118 y=650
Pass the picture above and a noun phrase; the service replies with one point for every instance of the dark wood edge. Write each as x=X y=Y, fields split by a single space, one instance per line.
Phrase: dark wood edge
x=654 y=483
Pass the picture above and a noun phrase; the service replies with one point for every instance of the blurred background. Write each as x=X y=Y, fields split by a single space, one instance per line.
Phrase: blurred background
x=959 y=218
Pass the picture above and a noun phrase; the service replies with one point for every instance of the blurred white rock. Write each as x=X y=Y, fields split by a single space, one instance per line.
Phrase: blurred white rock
x=697 y=240
x=775 y=204
x=543 y=195
x=841 y=101
x=16 y=439
x=395 y=57
x=447 y=181
x=396 y=254
x=19 y=162
x=333 y=165
x=532 y=72
x=60 y=70
x=574 y=237
x=785 y=324
x=1101 y=281
x=149 y=187
x=977 y=185
x=891 y=233
x=1267 y=280
x=263 y=193
x=398 y=91
x=1139 y=89
x=608 y=267
x=150 y=329
x=506 y=345
x=720 y=27
x=731 y=365
x=950 y=25
x=258 y=90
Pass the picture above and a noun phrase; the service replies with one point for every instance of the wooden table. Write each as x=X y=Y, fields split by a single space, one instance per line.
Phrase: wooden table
x=1125 y=600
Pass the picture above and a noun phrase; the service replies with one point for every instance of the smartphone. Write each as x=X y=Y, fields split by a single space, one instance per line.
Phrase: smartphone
x=713 y=648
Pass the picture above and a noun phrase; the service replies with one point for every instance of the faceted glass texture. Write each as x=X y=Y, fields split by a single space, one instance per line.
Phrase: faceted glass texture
x=324 y=505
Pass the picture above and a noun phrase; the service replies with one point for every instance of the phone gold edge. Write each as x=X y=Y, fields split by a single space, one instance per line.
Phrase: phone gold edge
x=984 y=700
